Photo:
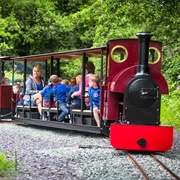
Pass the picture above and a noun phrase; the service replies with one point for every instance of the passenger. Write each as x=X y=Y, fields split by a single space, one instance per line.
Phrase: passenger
x=45 y=93
x=17 y=97
x=5 y=80
x=72 y=82
x=17 y=90
x=65 y=81
x=34 y=84
x=74 y=103
x=39 y=97
x=89 y=71
x=94 y=94
x=60 y=90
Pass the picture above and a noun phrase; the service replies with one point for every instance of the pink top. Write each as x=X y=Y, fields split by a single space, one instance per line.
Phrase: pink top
x=79 y=93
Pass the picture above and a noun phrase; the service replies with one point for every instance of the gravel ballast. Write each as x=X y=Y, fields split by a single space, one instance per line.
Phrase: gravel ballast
x=58 y=154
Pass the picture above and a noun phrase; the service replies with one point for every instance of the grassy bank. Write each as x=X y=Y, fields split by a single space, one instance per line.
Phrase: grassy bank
x=7 y=168
x=170 y=109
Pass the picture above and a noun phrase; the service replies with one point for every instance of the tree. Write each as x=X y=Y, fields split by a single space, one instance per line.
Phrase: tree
x=9 y=30
x=110 y=19
x=40 y=26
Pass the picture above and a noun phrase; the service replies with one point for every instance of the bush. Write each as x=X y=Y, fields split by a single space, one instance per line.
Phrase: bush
x=170 y=109
x=6 y=167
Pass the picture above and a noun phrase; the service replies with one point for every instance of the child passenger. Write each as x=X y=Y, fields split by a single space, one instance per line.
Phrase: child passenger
x=65 y=81
x=94 y=94
x=4 y=79
x=60 y=91
x=74 y=103
x=46 y=94
x=17 y=90
x=17 y=97
x=72 y=82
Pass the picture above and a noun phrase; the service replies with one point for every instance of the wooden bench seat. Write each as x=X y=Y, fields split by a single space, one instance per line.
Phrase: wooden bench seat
x=84 y=112
x=51 y=113
x=47 y=109
x=74 y=111
x=27 y=111
x=83 y=117
x=26 y=107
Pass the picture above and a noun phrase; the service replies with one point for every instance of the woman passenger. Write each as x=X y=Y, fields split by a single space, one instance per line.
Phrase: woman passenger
x=89 y=71
x=34 y=84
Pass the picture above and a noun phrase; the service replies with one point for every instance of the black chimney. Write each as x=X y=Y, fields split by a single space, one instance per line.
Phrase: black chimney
x=143 y=68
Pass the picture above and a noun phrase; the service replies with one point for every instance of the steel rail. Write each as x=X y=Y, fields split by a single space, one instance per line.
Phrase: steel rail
x=137 y=165
x=165 y=167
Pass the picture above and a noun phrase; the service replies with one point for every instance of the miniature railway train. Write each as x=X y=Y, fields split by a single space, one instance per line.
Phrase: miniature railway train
x=131 y=88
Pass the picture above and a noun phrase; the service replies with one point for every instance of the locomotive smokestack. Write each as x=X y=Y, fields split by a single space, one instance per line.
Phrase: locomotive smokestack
x=143 y=68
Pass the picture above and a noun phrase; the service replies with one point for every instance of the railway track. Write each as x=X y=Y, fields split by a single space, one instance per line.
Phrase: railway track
x=154 y=158
x=139 y=166
x=146 y=174
x=165 y=167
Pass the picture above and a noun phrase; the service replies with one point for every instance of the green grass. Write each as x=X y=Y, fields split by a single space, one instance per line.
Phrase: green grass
x=170 y=109
x=7 y=168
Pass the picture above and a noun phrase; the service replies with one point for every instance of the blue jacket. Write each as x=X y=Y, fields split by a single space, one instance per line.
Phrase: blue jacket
x=94 y=96
x=60 y=91
x=76 y=99
x=45 y=92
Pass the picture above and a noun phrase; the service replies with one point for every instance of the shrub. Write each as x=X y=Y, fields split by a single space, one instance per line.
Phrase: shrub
x=6 y=167
x=170 y=109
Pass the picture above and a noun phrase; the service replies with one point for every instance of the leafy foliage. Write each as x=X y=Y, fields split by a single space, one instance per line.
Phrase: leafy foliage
x=170 y=109
x=40 y=26
x=8 y=35
x=70 y=6
x=6 y=166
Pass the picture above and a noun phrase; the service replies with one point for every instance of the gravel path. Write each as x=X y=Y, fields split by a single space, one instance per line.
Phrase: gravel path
x=64 y=155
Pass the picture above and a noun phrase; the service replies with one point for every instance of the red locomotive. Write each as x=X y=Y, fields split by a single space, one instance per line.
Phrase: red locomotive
x=131 y=89
x=137 y=85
